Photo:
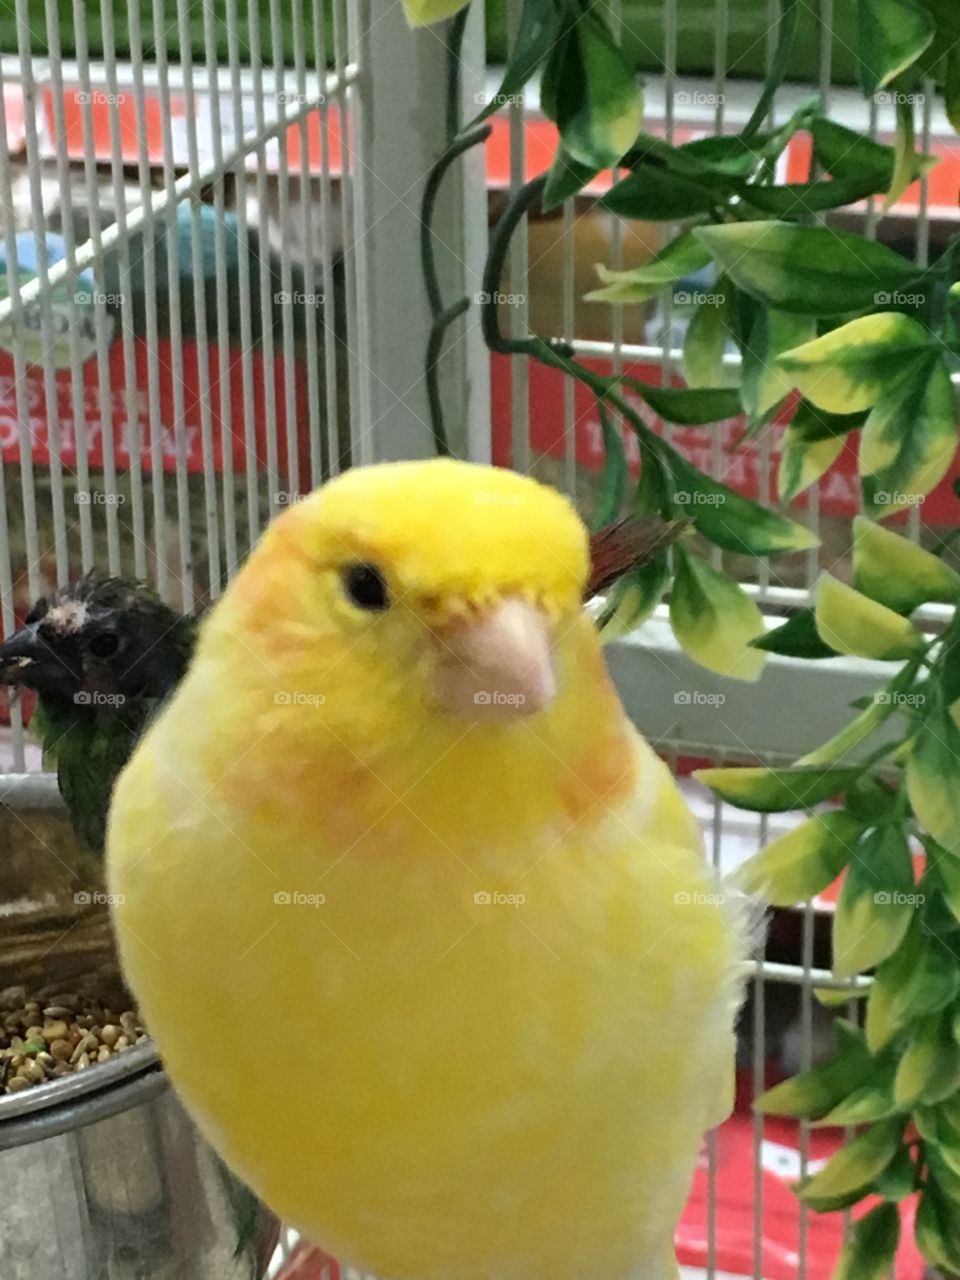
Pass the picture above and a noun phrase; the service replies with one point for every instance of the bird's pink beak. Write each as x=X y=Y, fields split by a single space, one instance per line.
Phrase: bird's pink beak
x=499 y=666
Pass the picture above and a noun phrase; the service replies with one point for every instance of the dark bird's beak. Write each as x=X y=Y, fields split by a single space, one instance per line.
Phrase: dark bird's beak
x=19 y=653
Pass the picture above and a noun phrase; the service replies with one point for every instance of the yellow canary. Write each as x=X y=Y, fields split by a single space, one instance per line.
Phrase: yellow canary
x=422 y=927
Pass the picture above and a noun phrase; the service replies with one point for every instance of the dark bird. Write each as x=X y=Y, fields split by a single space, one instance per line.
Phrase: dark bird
x=101 y=654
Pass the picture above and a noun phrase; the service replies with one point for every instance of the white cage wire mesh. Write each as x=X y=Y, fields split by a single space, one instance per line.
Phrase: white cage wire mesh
x=210 y=232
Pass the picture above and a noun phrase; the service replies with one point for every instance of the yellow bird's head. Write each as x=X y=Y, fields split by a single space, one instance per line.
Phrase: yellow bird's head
x=438 y=588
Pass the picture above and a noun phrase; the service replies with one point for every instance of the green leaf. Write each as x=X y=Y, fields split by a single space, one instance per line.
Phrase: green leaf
x=933 y=775
x=798 y=637
x=709 y=333
x=657 y=195
x=795 y=198
x=764 y=383
x=852 y=368
x=654 y=489
x=877 y=902
x=897 y=572
x=871 y=1246
x=816 y=1091
x=690 y=406
x=947 y=874
x=422 y=13
x=797 y=866
x=906 y=151
x=866 y=1105
x=682 y=257
x=779 y=63
x=893 y=34
x=810 y=445
x=726 y=517
x=934 y=1230
x=899 y=1179
x=552 y=73
x=714 y=620
x=778 y=790
x=847 y=154
x=565 y=178
x=920 y=978
x=808 y=270
x=613 y=482
x=910 y=438
x=600 y=108
x=633 y=598
x=929 y=1069
x=894 y=697
x=951 y=87
x=855 y=1165
x=852 y=623
x=539 y=29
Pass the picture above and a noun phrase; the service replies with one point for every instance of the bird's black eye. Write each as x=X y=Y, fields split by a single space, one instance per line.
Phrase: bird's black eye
x=105 y=644
x=365 y=586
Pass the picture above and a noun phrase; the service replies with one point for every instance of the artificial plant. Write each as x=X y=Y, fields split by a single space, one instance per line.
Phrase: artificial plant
x=861 y=340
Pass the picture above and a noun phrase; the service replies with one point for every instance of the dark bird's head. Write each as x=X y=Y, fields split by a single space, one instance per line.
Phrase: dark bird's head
x=99 y=642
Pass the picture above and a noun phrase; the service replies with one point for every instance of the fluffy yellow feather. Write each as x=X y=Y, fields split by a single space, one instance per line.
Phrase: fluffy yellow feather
x=442 y=912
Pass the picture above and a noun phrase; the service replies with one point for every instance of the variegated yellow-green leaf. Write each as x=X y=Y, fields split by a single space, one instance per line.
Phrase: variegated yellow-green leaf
x=893 y=34
x=777 y=790
x=852 y=735
x=853 y=623
x=934 y=1230
x=906 y=162
x=802 y=863
x=871 y=1246
x=764 y=383
x=853 y=367
x=633 y=598
x=933 y=776
x=600 y=111
x=921 y=978
x=866 y=1105
x=681 y=257
x=929 y=1070
x=909 y=439
x=810 y=270
x=803 y=462
x=856 y=1164
x=876 y=903
x=423 y=13
x=714 y=620
x=839 y=997
x=812 y=1092
x=948 y=872
x=708 y=335
x=897 y=572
